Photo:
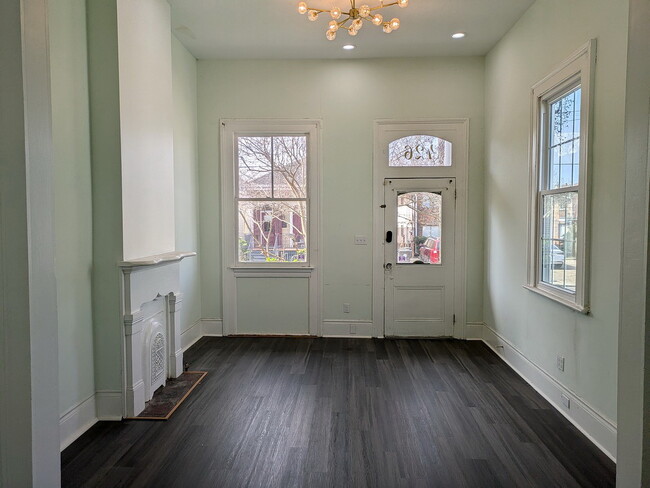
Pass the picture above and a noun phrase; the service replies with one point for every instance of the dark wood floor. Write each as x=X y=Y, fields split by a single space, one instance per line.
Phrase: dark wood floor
x=281 y=412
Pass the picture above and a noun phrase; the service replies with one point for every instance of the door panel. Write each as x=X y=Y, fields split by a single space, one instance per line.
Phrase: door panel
x=419 y=259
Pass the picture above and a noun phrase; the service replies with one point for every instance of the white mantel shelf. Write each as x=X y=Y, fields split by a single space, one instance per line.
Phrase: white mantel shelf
x=167 y=257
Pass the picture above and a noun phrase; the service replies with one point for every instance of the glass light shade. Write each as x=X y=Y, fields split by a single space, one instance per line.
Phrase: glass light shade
x=333 y=25
x=377 y=19
x=331 y=35
x=352 y=31
x=357 y=24
x=394 y=24
x=312 y=15
x=302 y=8
x=335 y=13
x=364 y=11
x=387 y=28
x=403 y=3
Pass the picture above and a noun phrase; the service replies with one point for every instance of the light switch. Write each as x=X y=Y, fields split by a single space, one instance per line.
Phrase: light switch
x=360 y=241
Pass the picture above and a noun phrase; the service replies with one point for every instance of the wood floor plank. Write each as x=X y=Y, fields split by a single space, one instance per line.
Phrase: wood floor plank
x=315 y=412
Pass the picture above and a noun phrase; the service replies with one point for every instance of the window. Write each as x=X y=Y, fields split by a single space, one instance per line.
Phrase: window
x=269 y=193
x=419 y=151
x=559 y=186
x=271 y=184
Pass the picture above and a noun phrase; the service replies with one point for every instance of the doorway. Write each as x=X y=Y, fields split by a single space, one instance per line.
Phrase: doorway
x=419 y=257
x=420 y=196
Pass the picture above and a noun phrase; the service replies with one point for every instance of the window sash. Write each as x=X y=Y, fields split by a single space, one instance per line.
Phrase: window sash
x=237 y=199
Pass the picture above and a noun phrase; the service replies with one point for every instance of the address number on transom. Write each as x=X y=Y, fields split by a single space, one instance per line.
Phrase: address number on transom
x=419 y=151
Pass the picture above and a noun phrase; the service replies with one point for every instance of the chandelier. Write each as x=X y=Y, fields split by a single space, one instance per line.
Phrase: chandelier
x=353 y=19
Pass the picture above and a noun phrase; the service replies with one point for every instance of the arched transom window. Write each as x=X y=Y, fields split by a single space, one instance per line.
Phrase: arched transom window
x=419 y=151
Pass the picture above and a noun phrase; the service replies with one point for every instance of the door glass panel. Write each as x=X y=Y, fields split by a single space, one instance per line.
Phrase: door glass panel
x=419 y=224
x=419 y=151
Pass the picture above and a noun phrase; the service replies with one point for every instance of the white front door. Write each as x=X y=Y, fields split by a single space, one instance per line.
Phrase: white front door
x=419 y=257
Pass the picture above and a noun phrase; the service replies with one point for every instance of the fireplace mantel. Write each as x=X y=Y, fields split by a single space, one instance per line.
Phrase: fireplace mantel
x=167 y=257
x=146 y=280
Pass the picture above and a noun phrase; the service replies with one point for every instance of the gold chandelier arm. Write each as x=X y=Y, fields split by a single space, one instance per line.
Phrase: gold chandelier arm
x=378 y=7
x=343 y=21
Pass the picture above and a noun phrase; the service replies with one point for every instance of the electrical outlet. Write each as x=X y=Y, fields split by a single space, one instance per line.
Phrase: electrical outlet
x=566 y=401
x=560 y=362
x=360 y=241
x=346 y=308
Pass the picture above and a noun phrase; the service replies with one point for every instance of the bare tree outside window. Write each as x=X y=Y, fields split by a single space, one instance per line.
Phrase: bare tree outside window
x=272 y=198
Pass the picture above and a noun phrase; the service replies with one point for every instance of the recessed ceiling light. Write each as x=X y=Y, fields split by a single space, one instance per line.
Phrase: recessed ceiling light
x=458 y=35
x=348 y=47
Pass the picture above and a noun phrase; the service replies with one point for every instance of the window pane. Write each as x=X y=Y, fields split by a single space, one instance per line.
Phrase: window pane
x=289 y=167
x=272 y=167
x=272 y=231
x=564 y=144
x=419 y=220
x=255 y=163
x=415 y=151
x=559 y=240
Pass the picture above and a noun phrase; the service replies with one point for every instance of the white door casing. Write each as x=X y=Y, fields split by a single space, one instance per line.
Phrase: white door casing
x=456 y=132
x=419 y=290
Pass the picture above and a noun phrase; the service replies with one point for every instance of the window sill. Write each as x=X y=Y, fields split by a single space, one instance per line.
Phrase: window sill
x=271 y=271
x=559 y=299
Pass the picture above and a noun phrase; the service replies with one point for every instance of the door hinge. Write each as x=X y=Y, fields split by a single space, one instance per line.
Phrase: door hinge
x=455 y=194
x=454 y=318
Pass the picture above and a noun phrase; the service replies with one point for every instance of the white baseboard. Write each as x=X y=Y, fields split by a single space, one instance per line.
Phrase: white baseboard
x=191 y=335
x=601 y=431
x=109 y=404
x=77 y=420
x=347 y=328
x=474 y=331
x=212 y=327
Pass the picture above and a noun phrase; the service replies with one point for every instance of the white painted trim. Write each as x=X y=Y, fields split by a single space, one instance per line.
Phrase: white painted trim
x=77 y=420
x=191 y=335
x=109 y=404
x=347 y=328
x=579 y=68
x=212 y=327
x=457 y=131
x=474 y=331
x=156 y=259
x=598 y=429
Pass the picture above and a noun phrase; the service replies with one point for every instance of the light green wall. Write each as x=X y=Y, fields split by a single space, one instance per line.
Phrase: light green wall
x=548 y=33
x=72 y=199
x=106 y=191
x=186 y=178
x=347 y=96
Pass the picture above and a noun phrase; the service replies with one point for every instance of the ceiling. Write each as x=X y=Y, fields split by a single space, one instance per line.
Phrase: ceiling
x=259 y=29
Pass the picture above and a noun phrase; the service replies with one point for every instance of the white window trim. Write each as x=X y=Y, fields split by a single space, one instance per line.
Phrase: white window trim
x=230 y=129
x=577 y=69
x=232 y=270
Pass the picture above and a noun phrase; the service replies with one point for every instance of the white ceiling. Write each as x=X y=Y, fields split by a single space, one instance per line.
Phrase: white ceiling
x=258 y=29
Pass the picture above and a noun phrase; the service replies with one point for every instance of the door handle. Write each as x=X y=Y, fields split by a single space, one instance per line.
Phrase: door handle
x=389 y=236
x=388 y=266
